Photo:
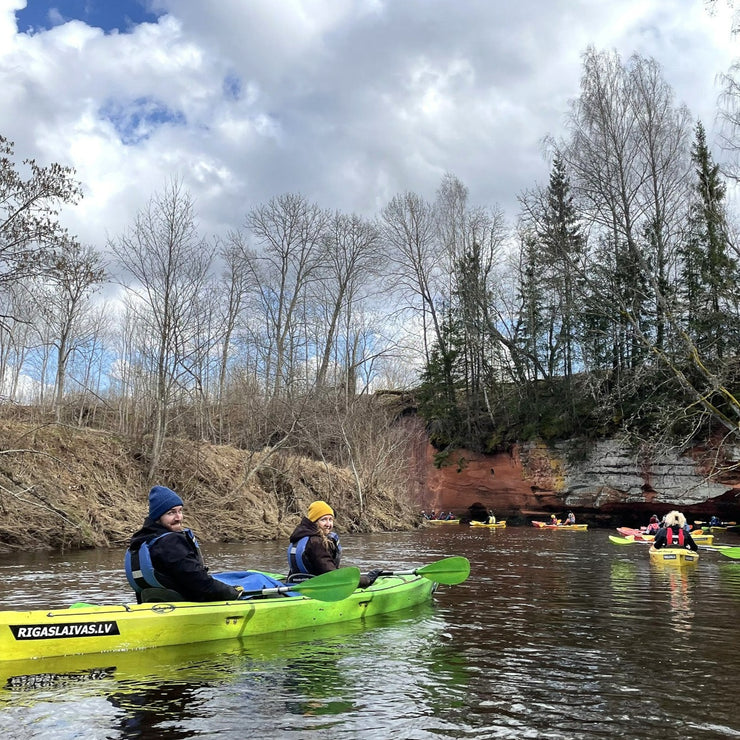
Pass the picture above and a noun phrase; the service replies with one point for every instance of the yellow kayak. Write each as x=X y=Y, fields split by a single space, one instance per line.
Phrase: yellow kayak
x=571 y=527
x=677 y=556
x=444 y=521
x=497 y=525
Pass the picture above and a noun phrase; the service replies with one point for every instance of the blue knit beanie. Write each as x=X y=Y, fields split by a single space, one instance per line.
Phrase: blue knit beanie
x=161 y=500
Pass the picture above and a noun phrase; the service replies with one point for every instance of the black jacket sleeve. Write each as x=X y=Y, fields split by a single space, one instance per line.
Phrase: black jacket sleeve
x=660 y=539
x=182 y=567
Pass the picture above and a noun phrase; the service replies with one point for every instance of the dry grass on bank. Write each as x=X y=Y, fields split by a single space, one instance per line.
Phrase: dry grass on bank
x=63 y=487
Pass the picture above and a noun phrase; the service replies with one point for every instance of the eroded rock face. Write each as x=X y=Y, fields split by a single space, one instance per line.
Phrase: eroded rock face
x=605 y=481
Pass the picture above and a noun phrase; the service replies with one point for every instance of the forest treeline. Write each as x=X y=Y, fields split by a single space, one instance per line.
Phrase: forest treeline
x=608 y=307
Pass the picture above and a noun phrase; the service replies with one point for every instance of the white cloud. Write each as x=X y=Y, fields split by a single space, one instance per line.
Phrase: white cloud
x=345 y=101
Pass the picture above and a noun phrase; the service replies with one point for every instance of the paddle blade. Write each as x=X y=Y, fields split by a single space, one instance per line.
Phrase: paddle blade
x=448 y=571
x=726 y=550
x=332 y=586
x=621 y=540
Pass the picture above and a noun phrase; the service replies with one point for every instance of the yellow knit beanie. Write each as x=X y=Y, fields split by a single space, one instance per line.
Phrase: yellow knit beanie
x=319 y=509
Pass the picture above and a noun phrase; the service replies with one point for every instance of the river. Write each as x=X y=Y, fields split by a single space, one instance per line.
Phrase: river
x=556 y=634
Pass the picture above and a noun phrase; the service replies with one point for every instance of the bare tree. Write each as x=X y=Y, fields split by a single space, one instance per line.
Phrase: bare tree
x=20 y=311
x=729 y=114
x=237 y=282
x=29 y=209
x=73 y=275
x=629 y=161
x=352 y=261
x=627 y=157
x=169 y=262
x=410 y=234
x=89 y=364
x=288 y=230
x=664 y=131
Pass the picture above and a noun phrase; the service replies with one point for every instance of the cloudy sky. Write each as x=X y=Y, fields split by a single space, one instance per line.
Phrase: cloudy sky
x=347 y=102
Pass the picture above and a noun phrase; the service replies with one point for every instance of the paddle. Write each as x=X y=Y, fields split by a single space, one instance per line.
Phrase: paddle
x=332 y=586
x=448 y=571
x=727 y=550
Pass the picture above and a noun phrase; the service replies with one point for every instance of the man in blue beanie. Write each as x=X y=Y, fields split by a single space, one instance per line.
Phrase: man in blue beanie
x=163 y=560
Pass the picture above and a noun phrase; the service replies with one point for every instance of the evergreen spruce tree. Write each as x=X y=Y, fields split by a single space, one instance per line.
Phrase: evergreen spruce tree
x=709 y=271
x=563 y=244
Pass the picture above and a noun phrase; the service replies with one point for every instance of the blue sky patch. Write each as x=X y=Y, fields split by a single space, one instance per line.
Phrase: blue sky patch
x=137 y=120
x=109 y=15
x=232 y=87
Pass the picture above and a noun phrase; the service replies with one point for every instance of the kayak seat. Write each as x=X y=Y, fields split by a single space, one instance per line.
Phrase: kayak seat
x=298 y=577
x=153 y=595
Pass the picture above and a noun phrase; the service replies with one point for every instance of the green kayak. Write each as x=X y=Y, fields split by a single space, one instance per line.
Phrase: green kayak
x=326 y=599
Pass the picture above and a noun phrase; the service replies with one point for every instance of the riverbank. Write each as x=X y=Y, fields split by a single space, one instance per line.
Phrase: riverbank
x=68 y=488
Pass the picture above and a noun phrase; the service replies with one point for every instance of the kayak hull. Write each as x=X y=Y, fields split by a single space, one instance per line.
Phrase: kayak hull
x=444 y=521
x=698 y=537
x=97 y=629
x=676 y=556
x=497 y=525
x=635 y=534
x=572 y=527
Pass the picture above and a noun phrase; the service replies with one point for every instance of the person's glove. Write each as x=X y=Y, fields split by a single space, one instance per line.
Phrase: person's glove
x=370 y=578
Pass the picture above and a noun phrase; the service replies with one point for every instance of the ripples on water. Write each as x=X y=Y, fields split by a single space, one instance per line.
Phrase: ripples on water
x=555 y=635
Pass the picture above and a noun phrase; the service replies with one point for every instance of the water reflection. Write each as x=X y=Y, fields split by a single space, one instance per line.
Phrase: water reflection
x=301 y=678
x=557 y=635
x=679 y=583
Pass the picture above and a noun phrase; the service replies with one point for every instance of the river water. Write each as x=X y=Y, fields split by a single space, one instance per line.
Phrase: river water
x=555 y=635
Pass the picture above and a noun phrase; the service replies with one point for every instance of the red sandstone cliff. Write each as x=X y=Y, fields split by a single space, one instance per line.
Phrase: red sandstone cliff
x=534 y=479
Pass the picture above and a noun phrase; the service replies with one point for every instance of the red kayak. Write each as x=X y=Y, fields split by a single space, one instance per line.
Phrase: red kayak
x=636 y=534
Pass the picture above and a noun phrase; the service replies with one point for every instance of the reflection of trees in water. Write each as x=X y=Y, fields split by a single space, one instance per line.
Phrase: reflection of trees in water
x=342 y=669
x=624 y=579
x=317 y=679
x=160 y=711
x=729 y=577
x=330 y=671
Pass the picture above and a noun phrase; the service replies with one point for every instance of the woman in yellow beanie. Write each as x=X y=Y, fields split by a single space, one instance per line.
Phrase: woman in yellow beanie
x=314 y=545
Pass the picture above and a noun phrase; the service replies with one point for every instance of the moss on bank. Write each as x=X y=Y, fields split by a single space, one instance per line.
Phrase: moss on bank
x=69 y=488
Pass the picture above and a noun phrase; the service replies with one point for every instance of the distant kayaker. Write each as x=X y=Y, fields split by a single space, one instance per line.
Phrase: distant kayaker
x=653 y=526
x=571 y=518
x=164 y=561
x=674 y=533
x=491 y=518
x=553 y=520
x=314 y=545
